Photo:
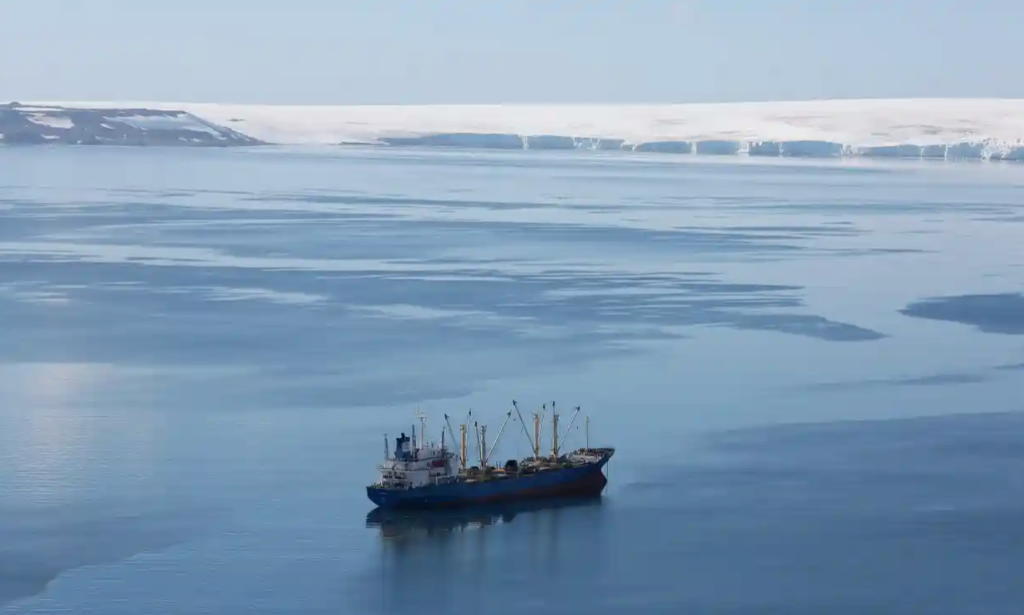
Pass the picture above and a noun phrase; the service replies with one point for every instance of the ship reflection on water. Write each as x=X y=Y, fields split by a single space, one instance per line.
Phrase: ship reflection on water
x=454 y=557
x=412 y=524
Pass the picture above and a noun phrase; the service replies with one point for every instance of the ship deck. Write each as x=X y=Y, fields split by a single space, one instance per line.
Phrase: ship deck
x=529 y=466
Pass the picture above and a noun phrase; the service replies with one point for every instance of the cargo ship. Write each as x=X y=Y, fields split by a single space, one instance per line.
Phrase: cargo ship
x=422 y=474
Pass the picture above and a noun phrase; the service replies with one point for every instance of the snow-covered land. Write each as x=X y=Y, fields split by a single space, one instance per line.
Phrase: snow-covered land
x=930 y=128
x=55 y=124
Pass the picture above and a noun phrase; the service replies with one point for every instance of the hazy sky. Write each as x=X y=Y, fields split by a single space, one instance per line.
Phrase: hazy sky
x=483 y=51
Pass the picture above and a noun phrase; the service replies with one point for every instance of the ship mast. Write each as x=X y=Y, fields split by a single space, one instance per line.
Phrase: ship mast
x=448 y=423
x=538 y=419
x=487 y=457
x=565 y=433
x=554 y=432
x=463 y=458
x=483 y=446
x=522 y=423
x=423 y=428
x=536 y=435
x=479 y=448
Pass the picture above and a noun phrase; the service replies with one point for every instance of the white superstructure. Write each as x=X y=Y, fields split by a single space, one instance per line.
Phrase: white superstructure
x=417 y=462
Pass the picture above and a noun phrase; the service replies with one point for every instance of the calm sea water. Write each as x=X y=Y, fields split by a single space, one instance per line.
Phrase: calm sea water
x=812 y=372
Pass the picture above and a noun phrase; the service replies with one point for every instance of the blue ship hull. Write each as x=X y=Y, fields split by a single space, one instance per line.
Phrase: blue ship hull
x=588 y=480
x=410 y=523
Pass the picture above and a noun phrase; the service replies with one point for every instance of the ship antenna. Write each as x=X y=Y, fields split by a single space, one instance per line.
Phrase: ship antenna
x=586 y=424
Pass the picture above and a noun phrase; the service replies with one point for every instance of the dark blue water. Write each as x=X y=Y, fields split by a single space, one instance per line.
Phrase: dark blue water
x=812 y=372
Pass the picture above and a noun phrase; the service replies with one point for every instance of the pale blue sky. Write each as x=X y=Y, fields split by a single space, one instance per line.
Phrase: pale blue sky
x=486 y=51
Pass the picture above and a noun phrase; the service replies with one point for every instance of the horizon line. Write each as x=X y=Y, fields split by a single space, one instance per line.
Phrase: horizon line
x=17 y=101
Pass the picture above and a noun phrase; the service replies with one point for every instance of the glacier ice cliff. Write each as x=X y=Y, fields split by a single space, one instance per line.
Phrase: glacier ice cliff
x=945 y=129
x=800 y=148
